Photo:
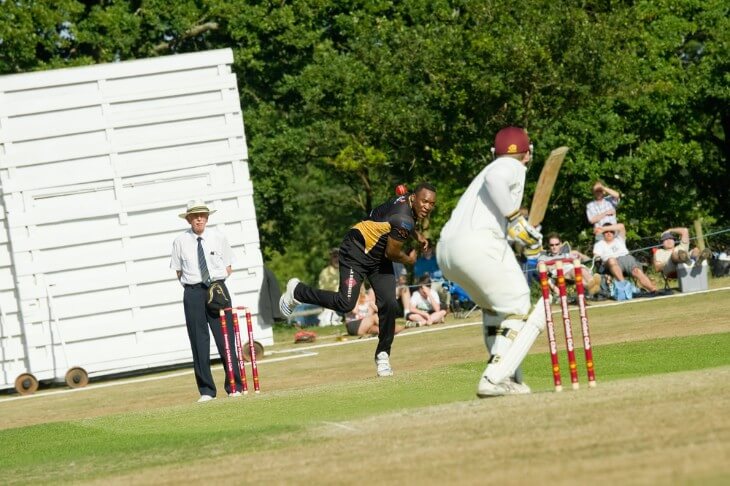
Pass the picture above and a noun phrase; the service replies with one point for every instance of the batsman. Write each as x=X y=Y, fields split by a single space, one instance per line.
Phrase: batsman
x=474 y=251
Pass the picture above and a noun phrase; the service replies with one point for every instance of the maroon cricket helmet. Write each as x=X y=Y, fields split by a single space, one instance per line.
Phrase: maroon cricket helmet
x=511 y=140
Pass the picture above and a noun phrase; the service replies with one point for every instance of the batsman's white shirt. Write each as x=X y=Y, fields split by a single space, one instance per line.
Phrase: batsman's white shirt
x=491 y=196
x=473 y=250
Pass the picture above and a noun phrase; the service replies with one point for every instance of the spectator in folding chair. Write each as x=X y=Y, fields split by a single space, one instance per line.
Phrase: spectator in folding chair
x=616 y=259
x=557 y=249
x=672 y=254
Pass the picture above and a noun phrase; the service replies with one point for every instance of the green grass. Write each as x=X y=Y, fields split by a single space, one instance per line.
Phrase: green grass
x=638 y=358
x=126 y=442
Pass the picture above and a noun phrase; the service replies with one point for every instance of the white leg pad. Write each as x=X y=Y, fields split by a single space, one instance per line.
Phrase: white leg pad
x=491 y=321
x=509 y=353
x=491 y=326
x=506 y=334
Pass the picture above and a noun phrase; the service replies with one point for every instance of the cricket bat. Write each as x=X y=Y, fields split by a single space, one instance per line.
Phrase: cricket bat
x=545 y=184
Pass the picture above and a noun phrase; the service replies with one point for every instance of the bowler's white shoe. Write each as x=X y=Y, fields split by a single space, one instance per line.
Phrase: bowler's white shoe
x=382 y=364
x=235 y=394
x=205 y=398
x=287 y=302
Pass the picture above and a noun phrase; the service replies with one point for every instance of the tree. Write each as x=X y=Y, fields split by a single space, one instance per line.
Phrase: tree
x=343 y=100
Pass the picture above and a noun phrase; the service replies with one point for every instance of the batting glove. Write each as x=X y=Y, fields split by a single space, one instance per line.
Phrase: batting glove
x=518 y=229
x=534 y=250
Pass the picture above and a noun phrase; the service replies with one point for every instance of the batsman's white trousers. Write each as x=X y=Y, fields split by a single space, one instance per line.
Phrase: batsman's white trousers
x=484 y=265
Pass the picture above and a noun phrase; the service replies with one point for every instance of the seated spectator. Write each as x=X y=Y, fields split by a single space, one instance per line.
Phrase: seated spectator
x=363 y=319
x=615 y=258
x=425 y=306
x=602 y=209
x=559 y=250
x=670 y=254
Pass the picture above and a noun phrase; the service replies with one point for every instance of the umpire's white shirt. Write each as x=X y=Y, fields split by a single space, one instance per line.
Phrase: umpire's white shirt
x=492 y=195
x=218 y=255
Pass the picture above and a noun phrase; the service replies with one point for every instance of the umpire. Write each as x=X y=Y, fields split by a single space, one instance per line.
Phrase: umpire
x=200 y=257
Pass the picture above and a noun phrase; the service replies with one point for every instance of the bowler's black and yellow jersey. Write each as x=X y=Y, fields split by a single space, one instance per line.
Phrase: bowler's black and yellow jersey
x=391 y=219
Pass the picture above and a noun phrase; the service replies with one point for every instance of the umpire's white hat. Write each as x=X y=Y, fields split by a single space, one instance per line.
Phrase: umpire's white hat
x=196 y=206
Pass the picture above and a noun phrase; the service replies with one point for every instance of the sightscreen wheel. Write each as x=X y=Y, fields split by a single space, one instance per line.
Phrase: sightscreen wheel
x=26 y=384
x=259 y=351
x=77 y=377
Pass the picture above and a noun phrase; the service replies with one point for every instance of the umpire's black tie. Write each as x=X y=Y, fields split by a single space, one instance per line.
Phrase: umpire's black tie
x=201 y=262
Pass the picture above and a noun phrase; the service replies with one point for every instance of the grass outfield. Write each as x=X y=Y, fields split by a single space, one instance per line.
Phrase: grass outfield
x=118 y=444
x=657 y=416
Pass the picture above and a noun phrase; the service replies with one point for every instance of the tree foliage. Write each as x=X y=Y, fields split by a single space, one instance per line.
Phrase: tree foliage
x=343 y=100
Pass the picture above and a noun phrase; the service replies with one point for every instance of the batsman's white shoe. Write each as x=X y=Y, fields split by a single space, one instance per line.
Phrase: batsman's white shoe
x=382 y=364
x=205 y=398
x=515 y=388
x=287 y=302
x=487 y=389
x=235 y=394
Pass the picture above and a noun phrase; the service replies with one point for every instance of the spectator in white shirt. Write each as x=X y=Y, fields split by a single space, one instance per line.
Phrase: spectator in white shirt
x=425 y=304
x=615 y=258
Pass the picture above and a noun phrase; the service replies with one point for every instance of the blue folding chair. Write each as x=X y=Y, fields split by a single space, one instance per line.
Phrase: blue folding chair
x=461 y=304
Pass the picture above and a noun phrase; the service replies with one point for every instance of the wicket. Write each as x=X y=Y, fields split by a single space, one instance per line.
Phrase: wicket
x=239 y=349
x=569 y=342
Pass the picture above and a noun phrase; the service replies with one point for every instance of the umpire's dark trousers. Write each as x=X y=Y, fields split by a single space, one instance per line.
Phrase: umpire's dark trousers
x=355 y=266
x=198 y=320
